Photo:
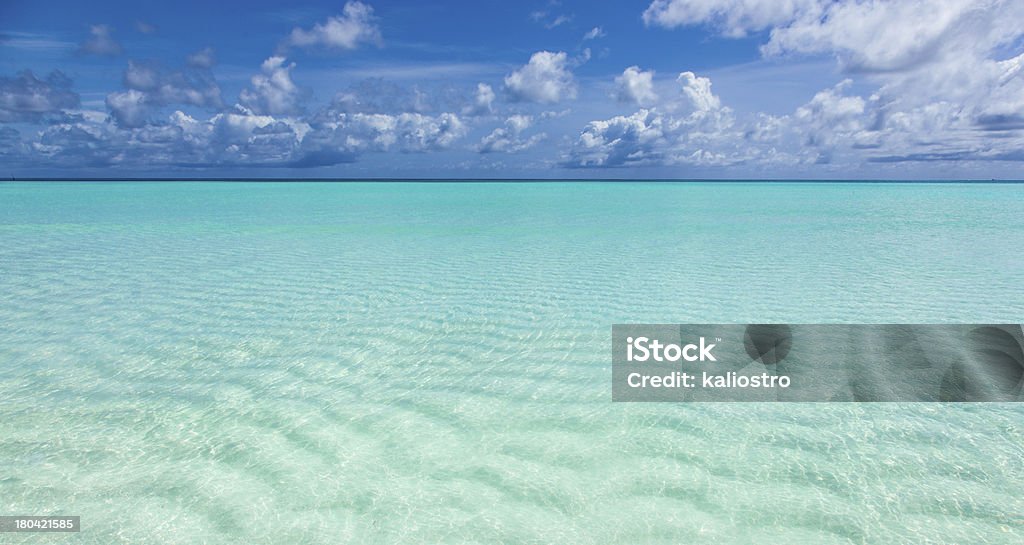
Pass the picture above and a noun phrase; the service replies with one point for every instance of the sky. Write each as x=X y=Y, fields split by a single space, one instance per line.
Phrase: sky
x=688 y=89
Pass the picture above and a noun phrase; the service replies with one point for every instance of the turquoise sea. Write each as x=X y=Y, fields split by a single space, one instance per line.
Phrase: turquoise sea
x=370 y=363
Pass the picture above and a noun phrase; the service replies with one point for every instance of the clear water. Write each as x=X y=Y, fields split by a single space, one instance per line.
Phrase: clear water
x=429 y=363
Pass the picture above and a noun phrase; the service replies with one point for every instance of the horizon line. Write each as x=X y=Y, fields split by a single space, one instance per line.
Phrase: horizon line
x=499 y=180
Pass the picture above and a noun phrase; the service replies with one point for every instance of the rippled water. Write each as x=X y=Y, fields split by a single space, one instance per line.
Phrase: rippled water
x=429 y=363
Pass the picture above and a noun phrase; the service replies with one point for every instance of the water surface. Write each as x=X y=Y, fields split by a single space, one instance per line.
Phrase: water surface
x=323 y=363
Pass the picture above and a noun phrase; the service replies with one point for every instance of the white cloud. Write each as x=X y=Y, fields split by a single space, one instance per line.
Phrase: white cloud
x=735 y=17
x=635 y=86
x=654 y=137
x=507 y=139
x=945 y=85
x=204 y=58
x=594 y=33
x=698 y=92
x=355 y=26
x=128 y=108
x=149 y=85
x=235 y=137
x=694 y=128
x=884 y=36
x=32 y=41
x=273 y=92
x=621 y=140
x=559 y=21
x=830 y=111
x=545 y=79
x=582 y=58
x=88 y=141
x=519 y=122
x=483 y=101
x=550 y=20
x=948 y=83
x=418 y=132
x=873 y=36
x=344 y=136
x=101 y=42
x=239 y=136
x=1005 y=104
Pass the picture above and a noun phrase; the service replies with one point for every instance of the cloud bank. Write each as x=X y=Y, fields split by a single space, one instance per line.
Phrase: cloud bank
x=907 y=89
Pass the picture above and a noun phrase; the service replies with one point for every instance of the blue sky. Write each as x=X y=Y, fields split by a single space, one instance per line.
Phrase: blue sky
x=547 y=89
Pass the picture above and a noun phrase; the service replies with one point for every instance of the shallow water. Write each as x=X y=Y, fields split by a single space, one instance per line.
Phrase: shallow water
x=428 y=363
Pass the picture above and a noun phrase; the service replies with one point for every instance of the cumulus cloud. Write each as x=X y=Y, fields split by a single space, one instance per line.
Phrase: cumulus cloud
x=545 y=79
x=344 y=136
x=947 y=85
x=273 y=92
x=483 y=101
x=149 y=85
x=635 y=86
x=75 y=145
x=621 y=140
x=129 y=108
x=698 y=92
x=942 y=87
x=269 y=134
x=28 y=98
x=507 y=139
x=234 y=137
x=134 y=135
x=355 y=26
x=594 y=33
x=100 y=42
x=831 y=113
x=242 y=136
x=694 y=128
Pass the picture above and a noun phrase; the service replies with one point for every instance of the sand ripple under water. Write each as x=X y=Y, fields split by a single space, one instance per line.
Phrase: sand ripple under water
x=429 y=363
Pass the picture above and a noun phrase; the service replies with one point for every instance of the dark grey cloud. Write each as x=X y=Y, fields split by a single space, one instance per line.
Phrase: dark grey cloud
x=25 y=97
x=148 y=85
x=74 y=145
x=1001 y=122
x=195 y=87
x=375 y=96
x=11 y=145
x=128 y=108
